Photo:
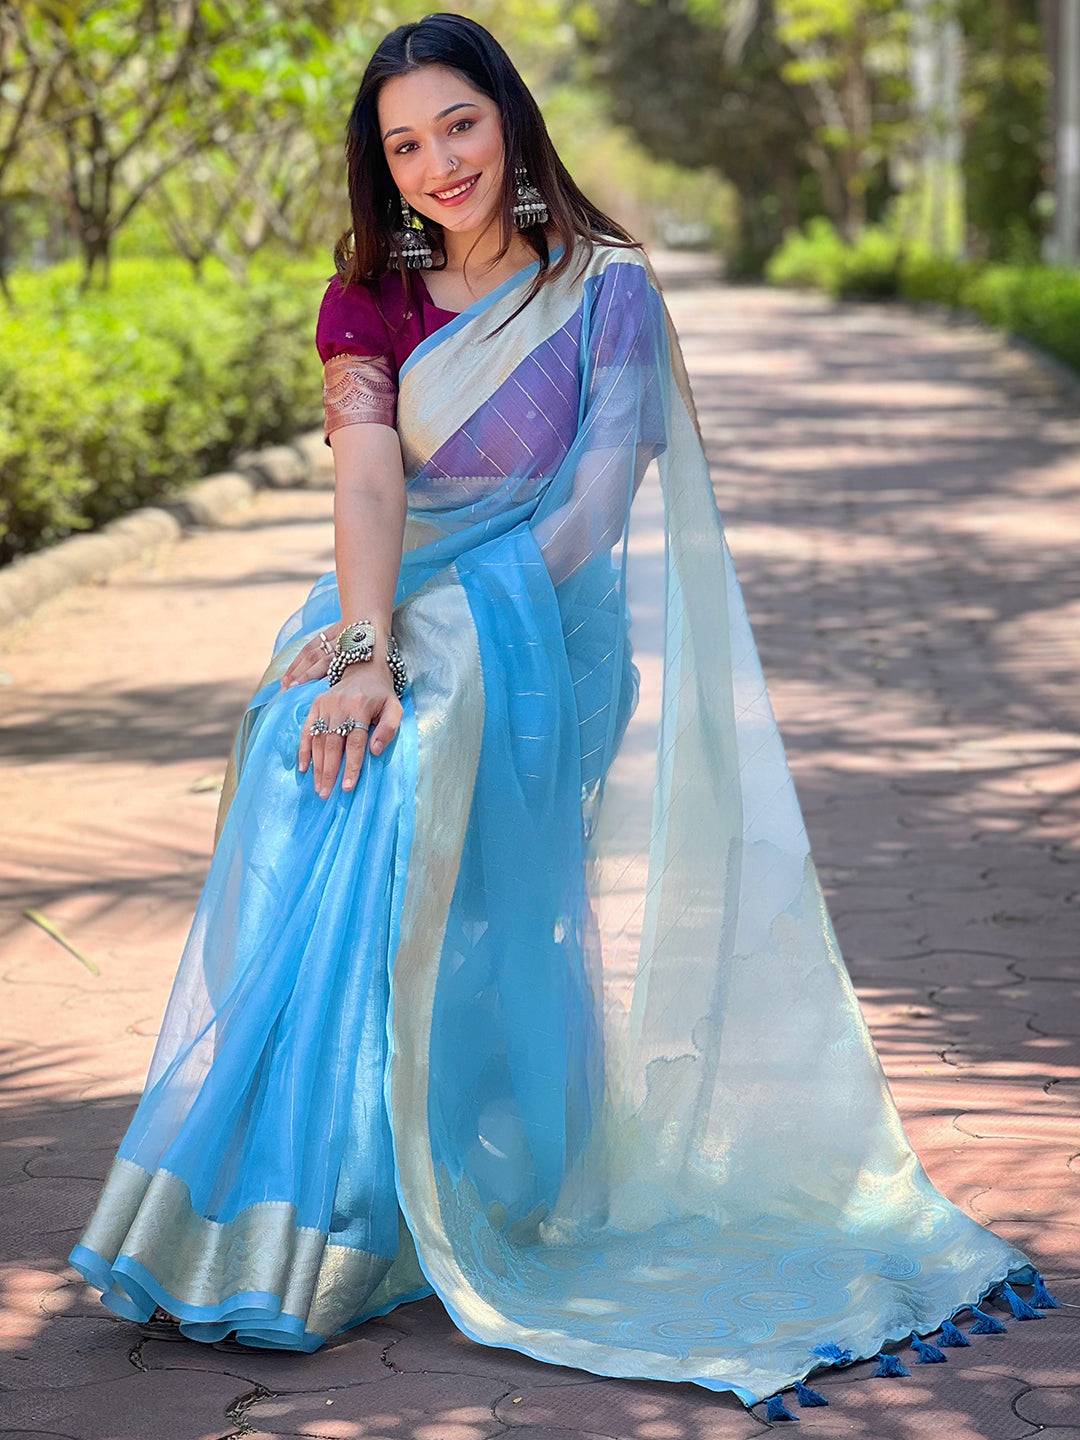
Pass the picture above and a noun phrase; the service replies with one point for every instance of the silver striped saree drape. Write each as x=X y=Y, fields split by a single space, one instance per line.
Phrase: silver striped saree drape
x=548 y=1016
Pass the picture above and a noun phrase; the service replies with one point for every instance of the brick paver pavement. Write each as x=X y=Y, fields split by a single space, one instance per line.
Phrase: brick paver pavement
x=902 y=504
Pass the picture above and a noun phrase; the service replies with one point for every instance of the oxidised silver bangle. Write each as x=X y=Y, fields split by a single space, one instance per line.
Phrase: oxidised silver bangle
x=357 y=642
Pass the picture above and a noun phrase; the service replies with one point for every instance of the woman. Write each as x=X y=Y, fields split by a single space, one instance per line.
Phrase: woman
x=518 y=986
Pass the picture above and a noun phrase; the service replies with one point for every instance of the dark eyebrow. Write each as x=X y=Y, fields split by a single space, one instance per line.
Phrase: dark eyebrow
x=400 y=129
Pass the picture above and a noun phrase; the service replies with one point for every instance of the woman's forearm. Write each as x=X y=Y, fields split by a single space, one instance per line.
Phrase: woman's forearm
x=369 y=522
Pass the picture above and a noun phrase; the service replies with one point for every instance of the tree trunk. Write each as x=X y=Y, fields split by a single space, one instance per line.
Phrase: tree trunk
x=1063 y=244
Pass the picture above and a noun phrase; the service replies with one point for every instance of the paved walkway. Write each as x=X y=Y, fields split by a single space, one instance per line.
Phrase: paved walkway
x=902 y=504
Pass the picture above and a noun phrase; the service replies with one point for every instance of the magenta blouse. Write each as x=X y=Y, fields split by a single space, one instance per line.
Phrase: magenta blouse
x=363 y=339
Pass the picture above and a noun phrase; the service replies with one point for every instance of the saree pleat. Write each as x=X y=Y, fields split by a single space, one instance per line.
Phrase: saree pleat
x=548 y=1016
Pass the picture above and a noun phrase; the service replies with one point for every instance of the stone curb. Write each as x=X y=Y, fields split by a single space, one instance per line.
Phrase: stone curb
x=304 y=463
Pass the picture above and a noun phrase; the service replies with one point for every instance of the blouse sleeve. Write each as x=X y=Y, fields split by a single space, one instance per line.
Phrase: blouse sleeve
x=359 y=374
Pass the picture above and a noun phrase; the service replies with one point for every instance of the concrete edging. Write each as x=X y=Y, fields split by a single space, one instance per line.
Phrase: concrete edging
x=306 y=462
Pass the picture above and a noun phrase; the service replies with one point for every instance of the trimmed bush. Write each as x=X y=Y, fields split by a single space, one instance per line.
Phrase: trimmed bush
x=1040 y=302
x=933 y=278
x=109 y=401
x=819 y=258
x=869 y=269
x=812 y=257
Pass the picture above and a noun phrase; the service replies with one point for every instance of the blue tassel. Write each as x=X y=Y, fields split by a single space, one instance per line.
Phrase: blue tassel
x=952 y=1334
x=889 y=1365
x=1042 y=1297
x=928 y=1354
x=986 y=1324
x=775 y=1409
x=1020 y=1308
x=806 y=1396
x=831 y=1351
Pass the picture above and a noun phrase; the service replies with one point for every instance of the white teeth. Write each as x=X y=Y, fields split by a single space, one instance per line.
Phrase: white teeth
x=449 y=194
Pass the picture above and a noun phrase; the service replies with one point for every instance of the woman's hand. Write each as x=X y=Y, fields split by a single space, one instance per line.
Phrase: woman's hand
x=313 y=661
x=365 y=693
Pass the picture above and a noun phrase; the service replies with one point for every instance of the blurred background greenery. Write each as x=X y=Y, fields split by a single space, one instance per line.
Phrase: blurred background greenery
x=171 y=185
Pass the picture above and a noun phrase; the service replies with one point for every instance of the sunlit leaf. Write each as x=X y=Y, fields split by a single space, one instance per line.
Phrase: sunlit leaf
x=51 y=929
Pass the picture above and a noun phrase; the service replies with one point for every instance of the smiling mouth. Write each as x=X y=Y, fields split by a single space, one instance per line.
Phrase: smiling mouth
x=460 y=189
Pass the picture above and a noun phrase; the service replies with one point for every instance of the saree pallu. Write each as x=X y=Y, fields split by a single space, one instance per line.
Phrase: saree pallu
x=547 y=1016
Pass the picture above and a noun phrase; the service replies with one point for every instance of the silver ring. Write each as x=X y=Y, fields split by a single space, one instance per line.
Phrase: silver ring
x=325 y=643
x=348 y=725
x=319 y=726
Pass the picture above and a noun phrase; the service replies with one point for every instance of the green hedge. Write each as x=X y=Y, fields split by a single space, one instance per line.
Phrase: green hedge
x=818 y=257
x=1039 y=302
x=109 y=401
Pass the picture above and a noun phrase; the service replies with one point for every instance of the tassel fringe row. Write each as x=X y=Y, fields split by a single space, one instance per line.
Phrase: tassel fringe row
x=1042 y=1299
x=928 y=1354
x=986 y=1324
x=952 y=1335
x=806 y=1396
x=775 y=1409
x=1020 y=1308
x=890 y=1365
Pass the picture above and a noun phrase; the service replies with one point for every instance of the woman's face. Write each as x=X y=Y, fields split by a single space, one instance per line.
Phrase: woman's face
x=422 y=140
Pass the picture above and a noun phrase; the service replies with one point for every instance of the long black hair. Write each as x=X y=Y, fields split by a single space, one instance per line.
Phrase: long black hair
x=363 y=253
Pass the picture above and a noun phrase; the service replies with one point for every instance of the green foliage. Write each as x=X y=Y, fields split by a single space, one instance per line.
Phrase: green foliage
x=687 y=97
x=819 y=258
x=1007 y=145
x=870 y=265
x=653 y=198
x=933 y=278
x=812 y=257
x=826 y=107
x=1039 y=302
x=153 y=384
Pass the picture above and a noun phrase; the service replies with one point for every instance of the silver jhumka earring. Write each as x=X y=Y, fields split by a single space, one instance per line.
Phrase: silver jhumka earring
x=529 y=207
x=410 y=242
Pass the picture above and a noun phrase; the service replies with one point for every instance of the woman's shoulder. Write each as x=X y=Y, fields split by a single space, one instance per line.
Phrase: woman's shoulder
x=597 y=259
x=352 y=319
x=617 y=277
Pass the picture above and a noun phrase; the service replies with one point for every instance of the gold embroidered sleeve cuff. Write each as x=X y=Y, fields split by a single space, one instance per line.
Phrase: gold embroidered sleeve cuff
x=358 y=389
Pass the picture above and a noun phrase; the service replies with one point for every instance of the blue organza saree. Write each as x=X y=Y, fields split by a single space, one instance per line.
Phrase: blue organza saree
x=547 y=1016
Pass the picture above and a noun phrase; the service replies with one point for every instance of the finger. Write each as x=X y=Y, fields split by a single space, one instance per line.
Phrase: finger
x=387 y=727
x=298 y=663
x=317 y=742
x=304 y=753
x=354 y=756
x=318 y=748
x=313 y=669
x=333 y=745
